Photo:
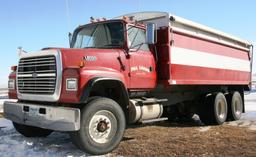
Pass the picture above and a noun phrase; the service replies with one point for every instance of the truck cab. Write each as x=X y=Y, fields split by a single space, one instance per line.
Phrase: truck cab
x=127 y=42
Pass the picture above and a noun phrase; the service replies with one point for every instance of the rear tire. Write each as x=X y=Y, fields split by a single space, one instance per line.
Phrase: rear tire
x=102 y=127
x=214 y=110
x=235 y=106
x=31 y=131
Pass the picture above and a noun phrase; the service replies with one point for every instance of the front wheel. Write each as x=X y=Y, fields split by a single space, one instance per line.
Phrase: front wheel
x=102 y=127
x=31 y=131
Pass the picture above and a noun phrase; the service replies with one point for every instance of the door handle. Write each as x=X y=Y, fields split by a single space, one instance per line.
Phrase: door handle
x=150 y=68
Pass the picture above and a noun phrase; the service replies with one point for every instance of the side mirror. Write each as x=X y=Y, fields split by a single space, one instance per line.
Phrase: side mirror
x=70 y=38
x=251 y=52
x=151 y=33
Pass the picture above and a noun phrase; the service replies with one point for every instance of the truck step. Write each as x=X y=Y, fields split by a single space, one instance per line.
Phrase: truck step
x=154 y=120
x=147 y=101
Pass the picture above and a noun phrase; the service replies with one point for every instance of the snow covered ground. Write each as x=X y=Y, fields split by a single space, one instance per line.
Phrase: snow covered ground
x=13 y=144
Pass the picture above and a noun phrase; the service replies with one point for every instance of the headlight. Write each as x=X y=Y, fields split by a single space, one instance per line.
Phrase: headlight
x=11 y=84
x=71 y=84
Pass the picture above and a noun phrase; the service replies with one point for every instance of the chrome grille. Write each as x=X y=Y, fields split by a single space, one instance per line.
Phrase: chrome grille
x=37 y=75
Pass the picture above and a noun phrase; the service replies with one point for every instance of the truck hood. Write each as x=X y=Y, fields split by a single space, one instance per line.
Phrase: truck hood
x=90 y=57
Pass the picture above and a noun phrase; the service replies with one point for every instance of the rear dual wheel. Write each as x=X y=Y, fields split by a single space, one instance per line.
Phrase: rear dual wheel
x=235 y=106
x=214 y=110
x=217 y=108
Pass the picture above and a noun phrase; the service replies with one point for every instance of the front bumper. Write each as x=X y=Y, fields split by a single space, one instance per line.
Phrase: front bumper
x=47 y=117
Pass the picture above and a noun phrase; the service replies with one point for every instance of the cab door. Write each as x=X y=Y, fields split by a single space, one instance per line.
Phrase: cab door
x=141 y=61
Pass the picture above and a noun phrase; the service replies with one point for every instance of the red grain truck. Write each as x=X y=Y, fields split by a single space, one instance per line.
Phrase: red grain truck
x=136 y=68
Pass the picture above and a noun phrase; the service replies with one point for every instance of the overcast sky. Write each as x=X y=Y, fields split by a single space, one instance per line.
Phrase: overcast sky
x=34 y=24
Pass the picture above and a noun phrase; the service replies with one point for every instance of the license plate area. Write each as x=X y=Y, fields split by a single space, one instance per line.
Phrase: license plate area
x=34 y=110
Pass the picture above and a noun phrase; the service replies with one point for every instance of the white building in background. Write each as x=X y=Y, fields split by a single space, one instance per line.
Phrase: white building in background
x=253 y=85
x=254 y=81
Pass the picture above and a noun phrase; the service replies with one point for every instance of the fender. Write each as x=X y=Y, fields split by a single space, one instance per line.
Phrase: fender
x=124 y=102
x=95 y=80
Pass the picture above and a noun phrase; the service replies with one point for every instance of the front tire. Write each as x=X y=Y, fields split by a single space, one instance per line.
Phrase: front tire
x=31 y=131
x=102 y=127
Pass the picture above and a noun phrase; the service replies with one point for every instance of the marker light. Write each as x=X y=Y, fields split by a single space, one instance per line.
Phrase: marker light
x=11 y=84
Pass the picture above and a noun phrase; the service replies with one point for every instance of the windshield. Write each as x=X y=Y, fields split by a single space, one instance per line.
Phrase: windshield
x=104 y=35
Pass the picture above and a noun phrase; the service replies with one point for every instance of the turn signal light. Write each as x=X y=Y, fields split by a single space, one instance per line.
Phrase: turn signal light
x=81 y=64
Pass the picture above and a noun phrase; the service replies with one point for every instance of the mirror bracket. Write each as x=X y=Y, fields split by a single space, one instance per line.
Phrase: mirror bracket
x=70 y=38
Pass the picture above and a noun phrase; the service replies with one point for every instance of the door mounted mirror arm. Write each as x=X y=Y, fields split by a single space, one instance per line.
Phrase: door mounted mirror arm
x=70 y=35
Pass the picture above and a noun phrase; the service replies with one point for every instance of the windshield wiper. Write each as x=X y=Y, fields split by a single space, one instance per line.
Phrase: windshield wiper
x=90 y=47
x=92 y=34
x=105 y=46
x=109 y=45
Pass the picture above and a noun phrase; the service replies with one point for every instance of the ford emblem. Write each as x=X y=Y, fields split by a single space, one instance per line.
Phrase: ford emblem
x=34 y=75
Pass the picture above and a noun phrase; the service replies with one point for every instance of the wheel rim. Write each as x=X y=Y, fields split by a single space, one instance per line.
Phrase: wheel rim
x=221 y=110
x=238 y=107
x=102 y=126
